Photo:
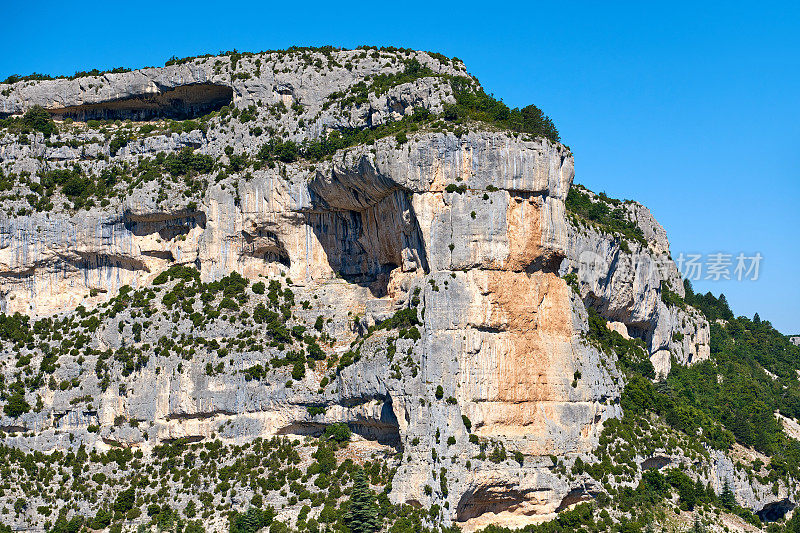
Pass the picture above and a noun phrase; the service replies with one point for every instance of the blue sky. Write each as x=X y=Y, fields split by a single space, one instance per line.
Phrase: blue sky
x=693 y=110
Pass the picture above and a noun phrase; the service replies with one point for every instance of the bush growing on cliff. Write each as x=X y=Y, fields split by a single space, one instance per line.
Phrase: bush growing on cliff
x=101 y=520
x=187 y=162
x=117 y=143
x=402 y=319
x=38 y=119
x=125 y=501
x=713 y=308
x=16 y=404
x=251 y=521
x=631 y=352
x=62 y=525
x=671 y=298
x=275 y=150
x=338 y=432
x=604 y=211
x=473 y=103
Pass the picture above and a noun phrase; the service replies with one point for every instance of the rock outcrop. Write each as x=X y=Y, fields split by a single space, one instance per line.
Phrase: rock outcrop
x=626 y=287
x=468 y=228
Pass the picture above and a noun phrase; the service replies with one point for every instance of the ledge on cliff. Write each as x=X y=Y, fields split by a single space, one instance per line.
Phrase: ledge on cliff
x=180 y=103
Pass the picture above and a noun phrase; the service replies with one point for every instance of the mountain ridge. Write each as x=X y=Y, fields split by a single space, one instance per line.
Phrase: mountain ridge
x=381 y=246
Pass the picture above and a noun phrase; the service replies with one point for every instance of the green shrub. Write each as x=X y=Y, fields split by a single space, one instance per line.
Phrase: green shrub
x=607 y=212
x=473 y=103
x=16 y=405
x=671 y=298
x=337 y=432
x=251 y=521
x=314 y=410
x=38 y=119
x=125 y=500
x=298 y=371
x=363 y=514
x=631 y=352
x=186 y=162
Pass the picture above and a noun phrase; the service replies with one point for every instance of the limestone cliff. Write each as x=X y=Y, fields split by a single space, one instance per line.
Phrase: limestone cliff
x=468 y=228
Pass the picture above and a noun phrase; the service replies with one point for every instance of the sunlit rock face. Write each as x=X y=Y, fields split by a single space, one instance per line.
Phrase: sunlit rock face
x=470 y=229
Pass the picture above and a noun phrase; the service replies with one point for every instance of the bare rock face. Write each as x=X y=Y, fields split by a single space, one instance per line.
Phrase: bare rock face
x=628 y=286
x=470 y=230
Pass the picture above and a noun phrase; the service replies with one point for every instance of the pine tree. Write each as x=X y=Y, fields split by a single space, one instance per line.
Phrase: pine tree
x=726 y=313
x=363 y=514
x=727 y=498
x=252 y=520
x=698 y=527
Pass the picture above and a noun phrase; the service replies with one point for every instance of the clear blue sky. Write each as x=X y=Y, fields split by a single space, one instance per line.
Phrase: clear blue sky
x=691 y=109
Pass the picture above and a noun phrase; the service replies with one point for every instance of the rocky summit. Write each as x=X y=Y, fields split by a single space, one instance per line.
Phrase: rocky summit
x=282 y=289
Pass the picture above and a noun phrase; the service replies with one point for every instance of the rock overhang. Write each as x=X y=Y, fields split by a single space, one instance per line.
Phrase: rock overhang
x=179 y=103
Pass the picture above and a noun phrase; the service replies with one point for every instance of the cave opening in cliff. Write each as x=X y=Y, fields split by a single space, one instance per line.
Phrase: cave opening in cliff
x=489 y=498
x=366 y=238
x=181 y=103
x=386 y=434
x=774 y=511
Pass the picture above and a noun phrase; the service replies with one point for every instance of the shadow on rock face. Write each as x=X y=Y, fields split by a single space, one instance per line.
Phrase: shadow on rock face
x=381 y=426
x=367 y=227
x=776 y=510
x=167 y=225
x=488 y=499
x=184 y=102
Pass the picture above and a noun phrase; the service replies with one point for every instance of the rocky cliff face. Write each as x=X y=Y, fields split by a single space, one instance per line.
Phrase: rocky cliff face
x=627 y=288
x=466 y=228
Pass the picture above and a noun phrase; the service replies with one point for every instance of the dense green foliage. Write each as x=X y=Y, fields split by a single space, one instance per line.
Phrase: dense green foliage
x=187 y=162
x=712 y=308
x=671 y=298
x=252 y=520
x=731 y=396
x=474 y=104
x=35 y=119
x=606 y=213
x=15 y=402
x=337 y=432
